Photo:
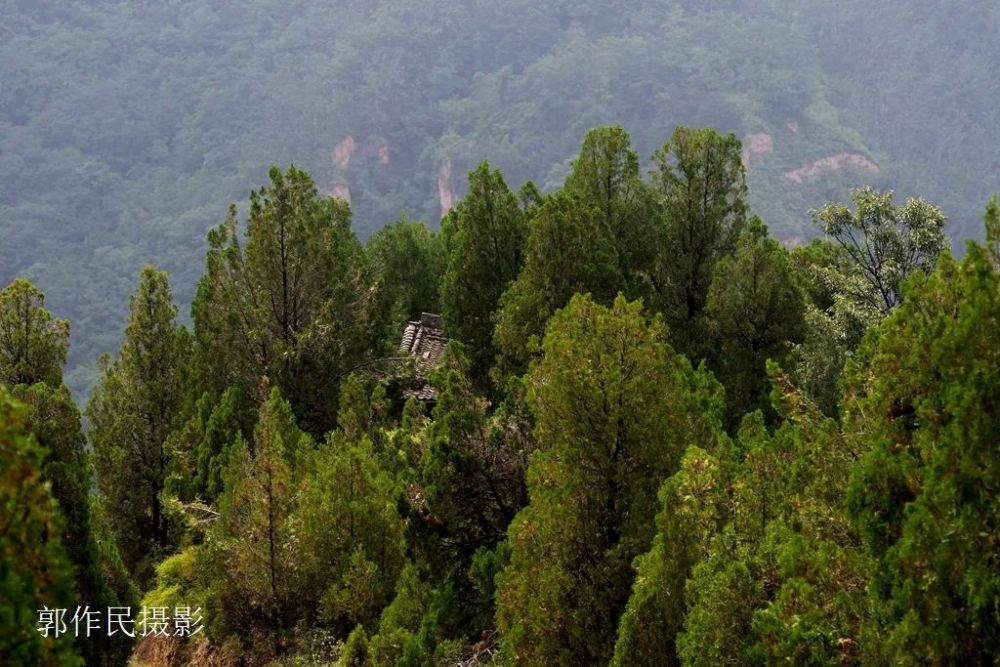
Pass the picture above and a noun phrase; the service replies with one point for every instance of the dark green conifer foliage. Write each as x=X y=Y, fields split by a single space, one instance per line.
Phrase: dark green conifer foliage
x=53 y=419
x=32 y=352
x=132 y=412
x=405 y=263
x=614 y=409
x=485 y=244
x=472 y=475
x=594 y=236
x=198 y=450
x=693 y=506
x=253 y=546
x=34 y=569
x=469 y=484
x=813 y=573
x=399 y=629
x=784 y=580
x=924 y=496
x=350 y=534
x=569 y=251
x=606 y=176
x=700 y=182
x=754 y=312
x=356 y=652
x=32 y=345
x=287 y=304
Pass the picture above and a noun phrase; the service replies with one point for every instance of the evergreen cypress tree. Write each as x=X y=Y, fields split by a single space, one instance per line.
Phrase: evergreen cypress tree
x=614 y=409
x=34 y=570
x=700 y=182
x=485 y=235
x=287 y=305
x=132 y=412
x=32 y=345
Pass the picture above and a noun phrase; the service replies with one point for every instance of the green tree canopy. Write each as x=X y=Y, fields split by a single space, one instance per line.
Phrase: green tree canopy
x=405 y=265
x=614 y=408
x=754 y=312
x=287 y=305
x=569 y=250
x=784 y=580
x=992 y=222
x=198 y=450
x=924 y=496
x=34 y=570
x=132 y=412
x=886 y=243
x=693 y=506
x=605 y=175
x=32 y=345
x=52 y=417
x=485 y=236
x=350 y=535
x=254 y=546
x=700 y=181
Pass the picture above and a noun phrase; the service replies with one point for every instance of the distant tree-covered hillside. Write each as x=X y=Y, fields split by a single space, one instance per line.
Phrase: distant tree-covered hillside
x=126 y=127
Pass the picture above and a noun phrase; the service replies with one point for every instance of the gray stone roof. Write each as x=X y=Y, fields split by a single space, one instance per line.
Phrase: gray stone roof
x=424 y=339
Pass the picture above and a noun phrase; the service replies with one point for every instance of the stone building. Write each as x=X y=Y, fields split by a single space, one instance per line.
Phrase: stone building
x=425 y=341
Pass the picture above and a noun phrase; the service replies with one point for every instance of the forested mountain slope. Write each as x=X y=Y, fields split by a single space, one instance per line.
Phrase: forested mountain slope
x=126 y=127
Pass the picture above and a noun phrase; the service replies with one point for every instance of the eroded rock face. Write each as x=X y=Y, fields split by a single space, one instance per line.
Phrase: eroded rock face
x=375 y=145
x=831 y=163
x=344 y=151
x=446 y=193
x=380 y=147
x=758 y=144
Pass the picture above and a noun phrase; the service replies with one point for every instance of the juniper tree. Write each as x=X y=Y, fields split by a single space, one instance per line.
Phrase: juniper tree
x=467 y=485
x=692 y=510
x=700 y=182
x=614 y=408
x=32 y=345
x=569 y=250
x=597 y=235
x=405 y=263
x=34 y=570
x=922 y=408
x=605 y=175
x=253 y=546
x=32 y=352
x=754 y=312
x=286 y=305
x=485 y=245
x=132 y=411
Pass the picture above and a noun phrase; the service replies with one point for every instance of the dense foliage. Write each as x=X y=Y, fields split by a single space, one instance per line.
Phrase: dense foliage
x=657 y=436
x=125 y=127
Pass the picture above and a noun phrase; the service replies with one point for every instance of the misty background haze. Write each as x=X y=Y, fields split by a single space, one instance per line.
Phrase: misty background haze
x=127 y=127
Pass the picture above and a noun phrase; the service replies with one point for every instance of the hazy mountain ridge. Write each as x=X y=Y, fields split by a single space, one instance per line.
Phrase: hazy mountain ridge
x=125 y=128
